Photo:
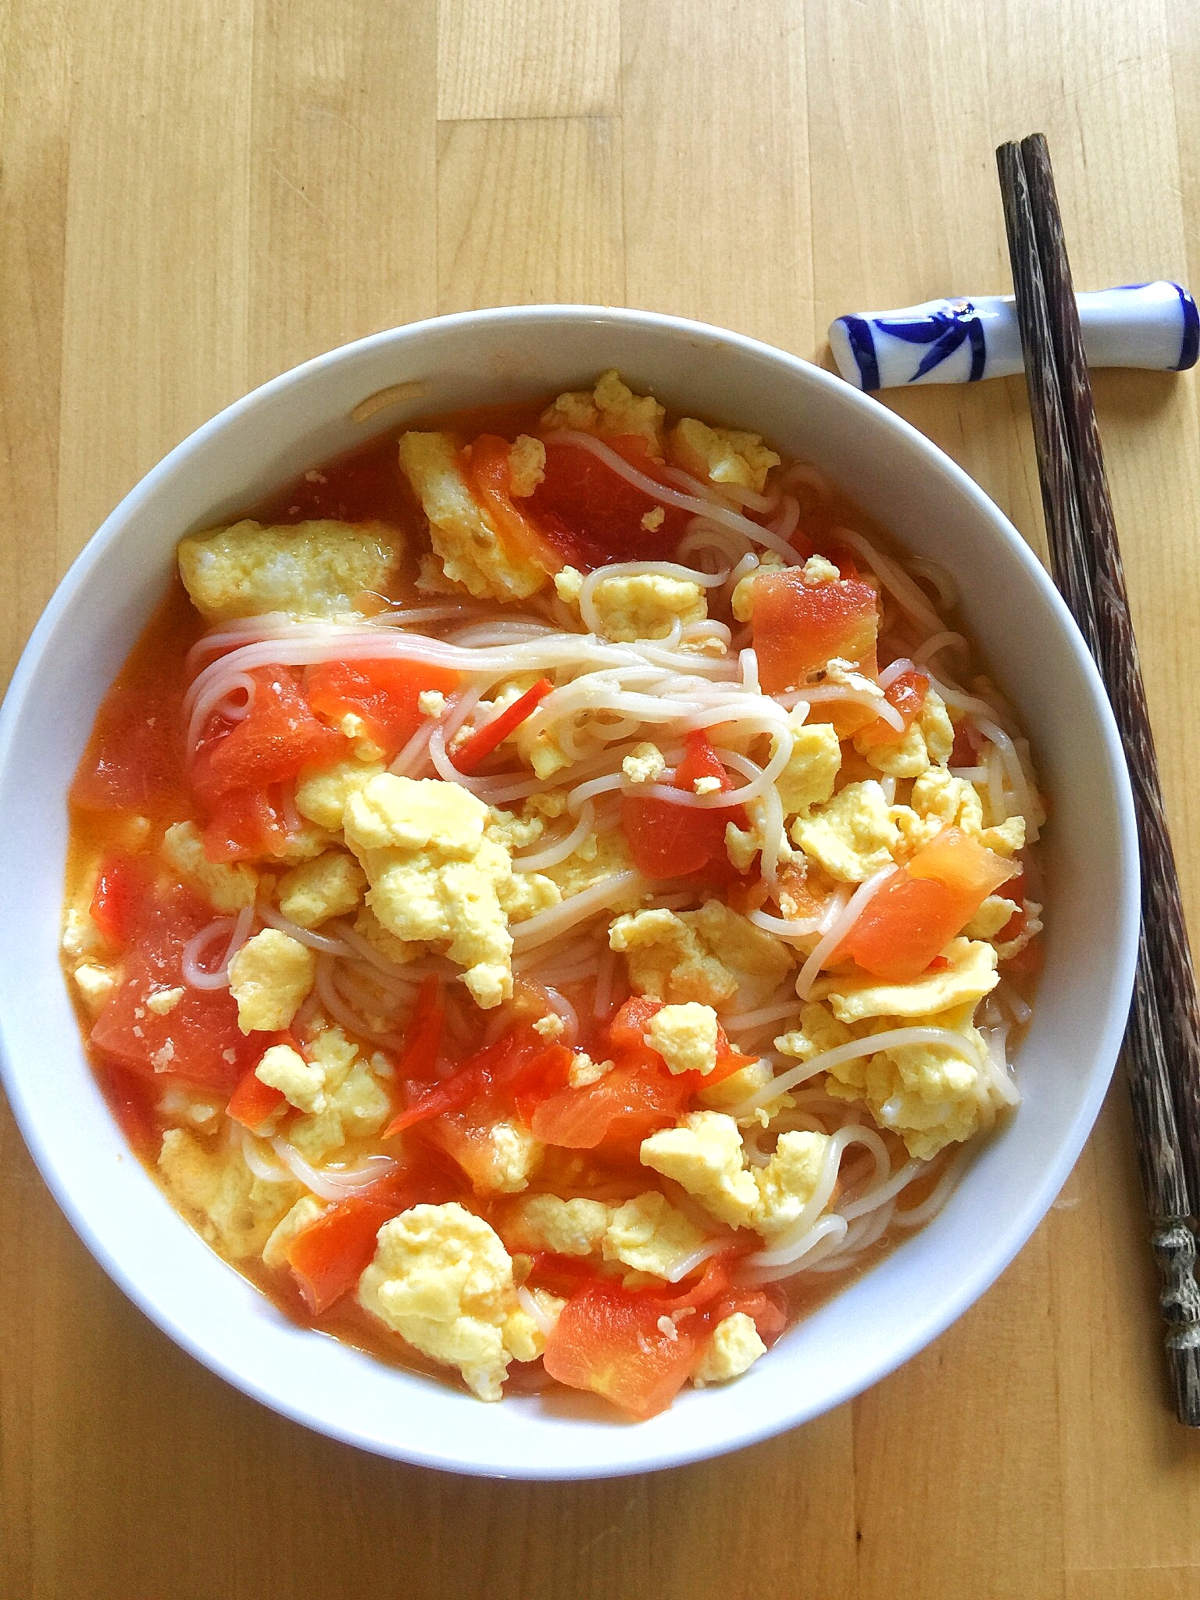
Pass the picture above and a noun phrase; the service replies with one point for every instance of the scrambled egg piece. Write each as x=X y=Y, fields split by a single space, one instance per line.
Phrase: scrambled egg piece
x=525 y=1338
x=236 y=1210
x=330 y=886
x=526 y=466
x=507 y=1162
x=817 y=1031
x=685 y=1036
x=310 y=569
x=322 y=796
x=812 y=767
x=356 y=1104
x=645 y=605
x=733 y=1349
x=443 y=1281
x=269 y=977
x=708 y=955
x=566 y=1227
x=928 y=742
x=704 y=1154
x=306 y=1210
x=722 y=455
x=970 y=975
x=300 y=1082
x=853 y=836
x=471 y=552
x=613 y=408
x=95 y=984
x=163 y=1001
x=994 y=914
x=644 y=764
x=435 y=876
x=599 y=857
x=930 y=1094
x=940 y=800
x=226 y=885
x=649 y=1234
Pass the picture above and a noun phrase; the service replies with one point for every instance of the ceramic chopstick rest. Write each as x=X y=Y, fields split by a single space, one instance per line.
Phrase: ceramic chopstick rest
x=1151 y=325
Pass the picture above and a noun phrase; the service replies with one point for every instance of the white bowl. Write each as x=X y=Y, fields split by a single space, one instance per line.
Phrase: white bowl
x=1024 y=632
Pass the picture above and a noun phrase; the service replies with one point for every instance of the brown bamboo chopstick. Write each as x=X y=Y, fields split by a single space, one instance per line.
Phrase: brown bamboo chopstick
x=1163 y=1039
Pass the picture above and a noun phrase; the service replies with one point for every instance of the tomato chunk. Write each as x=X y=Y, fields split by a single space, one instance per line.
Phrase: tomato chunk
x=627 y=1104
x=799 y=628
x=244 y=824
x=926 y=904
x=906 y=694
x=671 y=841
x=134 y=759
x=253 y=1101
x=384 y=694
x=198 y=1040
x=490 y=476
x=608 y=1340
x=329 y=1256
x=277 y=738
x=121 y=888
x=590 y=515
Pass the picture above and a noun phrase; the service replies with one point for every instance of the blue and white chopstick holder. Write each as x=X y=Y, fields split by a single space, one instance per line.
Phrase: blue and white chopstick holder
x=1151 y=325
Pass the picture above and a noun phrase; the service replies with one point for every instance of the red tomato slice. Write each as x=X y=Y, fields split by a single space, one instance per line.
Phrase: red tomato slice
x=244 y=824
x=199 y=1039
x=627 y=1036
x=799 y=628
x=608 y=1340
x=329 y=1256
x=383 y=693
x=627 y=1030
x=489 y=473
x=253 y=1101
x=928 y=902
x=906 y=693
x=624 y=1107
x=670 y=841
x=590 y=515
x=495 y=1071
x=134 y=759
x=277 y=738
x=121 y=889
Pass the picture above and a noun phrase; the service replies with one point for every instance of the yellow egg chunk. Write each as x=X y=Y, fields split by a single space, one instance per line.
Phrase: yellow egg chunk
x=270 y=977
x=307 y=569
x=470 y=550
x=436 y=876
x=443 y=1281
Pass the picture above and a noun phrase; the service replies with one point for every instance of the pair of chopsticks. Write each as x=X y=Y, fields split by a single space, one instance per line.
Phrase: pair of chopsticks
x=1162 y=1044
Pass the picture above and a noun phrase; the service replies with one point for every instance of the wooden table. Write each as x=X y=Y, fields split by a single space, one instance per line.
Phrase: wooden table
x=198 y=194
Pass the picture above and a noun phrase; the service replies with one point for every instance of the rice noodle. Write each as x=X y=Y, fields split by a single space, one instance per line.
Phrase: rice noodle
x=335 y=1183
x=198 y=976
x=559 y=849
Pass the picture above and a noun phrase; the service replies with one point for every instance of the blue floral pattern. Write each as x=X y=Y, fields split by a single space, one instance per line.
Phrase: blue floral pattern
x=943 y=331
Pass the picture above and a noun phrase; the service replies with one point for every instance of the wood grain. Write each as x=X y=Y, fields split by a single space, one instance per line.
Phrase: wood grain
x=197 y=193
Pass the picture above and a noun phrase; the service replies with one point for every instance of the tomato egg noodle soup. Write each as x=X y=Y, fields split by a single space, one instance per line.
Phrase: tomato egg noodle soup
x=551 y=895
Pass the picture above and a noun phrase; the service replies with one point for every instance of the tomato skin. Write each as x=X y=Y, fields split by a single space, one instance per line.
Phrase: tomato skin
x=499 y=1072
x=608 y=1340
x=199 y=1040
x=923 y=906
x=799 y=628
x=384 y=694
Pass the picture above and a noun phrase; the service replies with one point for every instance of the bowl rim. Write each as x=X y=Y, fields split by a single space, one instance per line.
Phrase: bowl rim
x=990 y=1262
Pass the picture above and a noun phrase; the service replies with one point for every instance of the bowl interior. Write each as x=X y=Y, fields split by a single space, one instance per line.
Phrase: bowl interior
x=1023 y=632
